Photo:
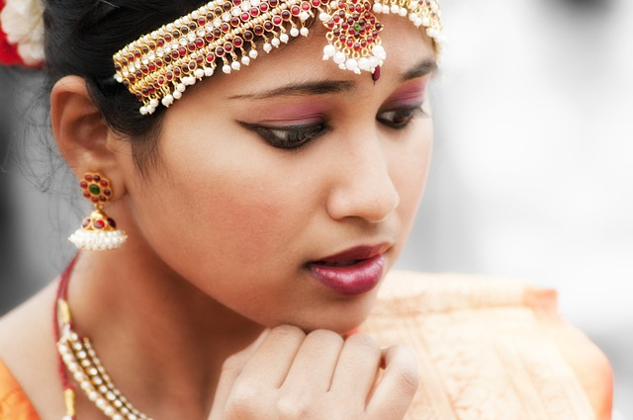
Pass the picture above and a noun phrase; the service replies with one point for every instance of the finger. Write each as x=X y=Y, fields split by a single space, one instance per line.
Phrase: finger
x=392 y=396
x=314 y=364
x=270 y=363
x=231 y=369
x=357 y=368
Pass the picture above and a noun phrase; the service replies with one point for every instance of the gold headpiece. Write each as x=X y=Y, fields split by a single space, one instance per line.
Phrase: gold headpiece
x=159 y=66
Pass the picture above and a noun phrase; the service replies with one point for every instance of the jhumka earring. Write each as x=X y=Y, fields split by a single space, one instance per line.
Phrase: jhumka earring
x=98 y=231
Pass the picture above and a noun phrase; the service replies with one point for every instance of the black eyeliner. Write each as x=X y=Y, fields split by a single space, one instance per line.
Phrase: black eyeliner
x=308 y=131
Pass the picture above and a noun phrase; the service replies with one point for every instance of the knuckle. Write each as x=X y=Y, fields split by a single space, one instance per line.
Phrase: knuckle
x=282 y=332
x=408 y=374
x=237 y=410
x=234 y=410
x=325 y=336
x=289 y=407
x=243 y=400
x=232 y=363
x=409 y=380
x=365 y=343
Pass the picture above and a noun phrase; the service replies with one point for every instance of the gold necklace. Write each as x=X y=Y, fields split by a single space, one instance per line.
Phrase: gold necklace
x=77 y=357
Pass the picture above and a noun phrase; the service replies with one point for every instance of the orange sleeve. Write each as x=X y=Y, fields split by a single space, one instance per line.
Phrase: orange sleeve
x=14 y=404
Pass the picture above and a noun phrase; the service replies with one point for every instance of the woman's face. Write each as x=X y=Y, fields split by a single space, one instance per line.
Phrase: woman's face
x=266 y=172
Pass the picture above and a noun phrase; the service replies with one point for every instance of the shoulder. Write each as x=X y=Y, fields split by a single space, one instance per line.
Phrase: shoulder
x=27 y=358
x=21 y=327
x=493 y=335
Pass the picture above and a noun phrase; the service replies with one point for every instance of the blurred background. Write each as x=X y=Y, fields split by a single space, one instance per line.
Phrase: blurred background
x=532 y=175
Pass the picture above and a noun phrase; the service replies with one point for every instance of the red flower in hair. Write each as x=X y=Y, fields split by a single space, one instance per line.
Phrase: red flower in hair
x=8 y=53
x=21 y=35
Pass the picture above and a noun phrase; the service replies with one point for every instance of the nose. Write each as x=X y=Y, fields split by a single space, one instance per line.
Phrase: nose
x=362 y=185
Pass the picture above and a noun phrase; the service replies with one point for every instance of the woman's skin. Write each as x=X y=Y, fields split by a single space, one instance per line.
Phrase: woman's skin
x=221 y=227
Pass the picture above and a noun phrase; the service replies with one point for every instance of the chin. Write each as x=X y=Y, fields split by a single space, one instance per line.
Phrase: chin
x=341 y=320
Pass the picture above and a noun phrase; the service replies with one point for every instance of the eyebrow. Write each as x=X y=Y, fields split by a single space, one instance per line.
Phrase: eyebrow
x=426 y=66
x=423 y=68
x=302 y=89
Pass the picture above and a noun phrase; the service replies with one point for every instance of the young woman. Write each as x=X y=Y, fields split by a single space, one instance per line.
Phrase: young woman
x=245 y=218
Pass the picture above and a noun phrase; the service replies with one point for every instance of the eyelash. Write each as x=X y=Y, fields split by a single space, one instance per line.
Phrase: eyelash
x=296 y=136
x=409 y=113
x=289 y=137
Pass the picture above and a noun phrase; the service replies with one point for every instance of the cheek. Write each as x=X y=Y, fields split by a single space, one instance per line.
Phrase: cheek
x=253 y=218
x=409 y=173
x=228 y=224
x=234 y=205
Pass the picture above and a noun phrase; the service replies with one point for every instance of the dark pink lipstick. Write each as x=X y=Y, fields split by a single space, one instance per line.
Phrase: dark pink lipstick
x=351 y=272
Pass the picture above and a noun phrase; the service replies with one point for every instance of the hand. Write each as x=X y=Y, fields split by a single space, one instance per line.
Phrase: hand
x=288 y=375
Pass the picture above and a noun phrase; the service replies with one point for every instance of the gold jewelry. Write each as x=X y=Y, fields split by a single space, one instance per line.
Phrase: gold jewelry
x=85 y=367
x=158 y=67
x=98 y=231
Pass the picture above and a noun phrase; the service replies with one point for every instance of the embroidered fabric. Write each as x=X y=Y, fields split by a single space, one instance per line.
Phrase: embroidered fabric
x=481 y=348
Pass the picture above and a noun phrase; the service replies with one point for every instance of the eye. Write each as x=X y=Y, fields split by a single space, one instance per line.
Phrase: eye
x=289 y=137
x=401 y=117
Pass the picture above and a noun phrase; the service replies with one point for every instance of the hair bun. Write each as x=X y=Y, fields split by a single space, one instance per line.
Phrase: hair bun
x=22 y=33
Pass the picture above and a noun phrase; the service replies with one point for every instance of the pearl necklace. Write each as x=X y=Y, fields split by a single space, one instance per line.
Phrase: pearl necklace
x=77 y=356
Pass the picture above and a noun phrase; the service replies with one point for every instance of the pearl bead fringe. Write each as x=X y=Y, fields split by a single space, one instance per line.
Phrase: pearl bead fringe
x=85 y=367
x=91 y=240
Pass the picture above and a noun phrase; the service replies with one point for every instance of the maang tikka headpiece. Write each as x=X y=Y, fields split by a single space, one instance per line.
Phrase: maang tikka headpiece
x=159 y=66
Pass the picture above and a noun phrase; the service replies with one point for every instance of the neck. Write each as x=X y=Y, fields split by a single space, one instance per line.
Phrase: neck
x=161 y=340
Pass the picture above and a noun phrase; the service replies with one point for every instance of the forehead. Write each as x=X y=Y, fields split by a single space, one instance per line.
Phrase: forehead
x=302 y=60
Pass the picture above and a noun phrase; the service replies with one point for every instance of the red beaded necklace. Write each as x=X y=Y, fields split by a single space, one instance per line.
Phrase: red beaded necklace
x=62 y=296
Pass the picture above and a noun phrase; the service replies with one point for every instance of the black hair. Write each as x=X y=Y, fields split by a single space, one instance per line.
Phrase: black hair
x=81 y=37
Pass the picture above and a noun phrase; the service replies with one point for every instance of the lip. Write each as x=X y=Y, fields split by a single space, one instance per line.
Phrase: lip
x=362 y=270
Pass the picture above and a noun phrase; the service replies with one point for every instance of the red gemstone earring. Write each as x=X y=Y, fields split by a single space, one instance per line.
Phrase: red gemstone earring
x=98 y=232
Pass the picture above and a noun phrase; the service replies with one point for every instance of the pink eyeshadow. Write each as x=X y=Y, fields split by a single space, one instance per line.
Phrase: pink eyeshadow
x=410 y=93
x=293 y=112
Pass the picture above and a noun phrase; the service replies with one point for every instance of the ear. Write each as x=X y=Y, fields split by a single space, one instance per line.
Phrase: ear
x=81 y=132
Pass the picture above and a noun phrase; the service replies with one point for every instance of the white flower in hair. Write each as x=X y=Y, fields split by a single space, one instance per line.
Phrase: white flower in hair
x=23 y=23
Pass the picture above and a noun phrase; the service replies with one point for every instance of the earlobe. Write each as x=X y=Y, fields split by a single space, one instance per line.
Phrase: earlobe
x=80 y=130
